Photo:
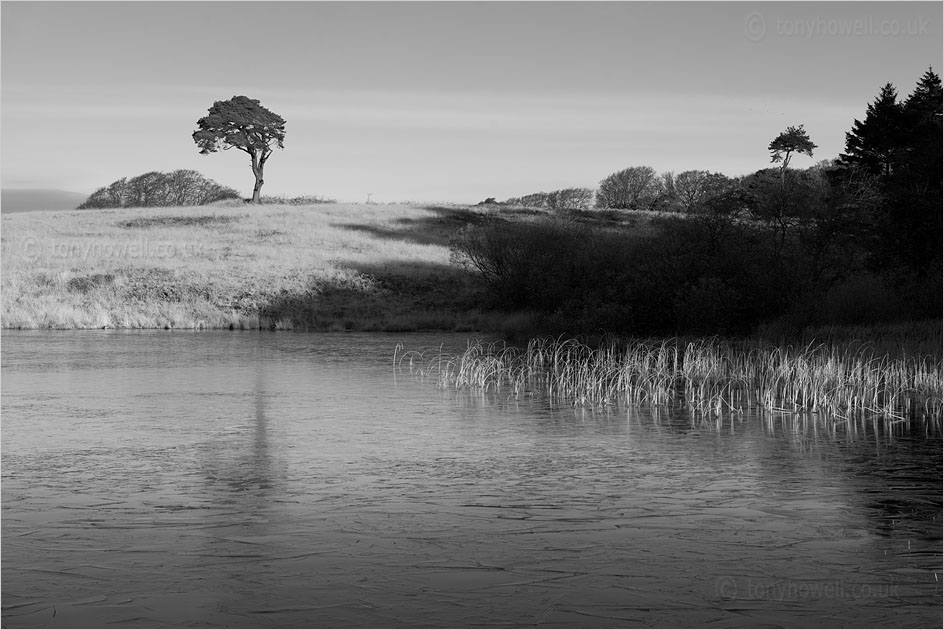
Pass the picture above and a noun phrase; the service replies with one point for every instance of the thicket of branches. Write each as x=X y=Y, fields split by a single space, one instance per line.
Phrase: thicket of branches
x=564 y=200
x=177 y=188
x=635 y=188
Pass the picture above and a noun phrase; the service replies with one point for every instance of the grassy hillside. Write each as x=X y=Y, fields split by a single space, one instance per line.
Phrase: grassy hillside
x=318 y=267
x=322 y=267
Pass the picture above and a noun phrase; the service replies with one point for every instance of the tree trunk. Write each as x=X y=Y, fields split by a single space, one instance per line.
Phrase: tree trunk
x=783 y=170
x=258 y=187
x=257 y=166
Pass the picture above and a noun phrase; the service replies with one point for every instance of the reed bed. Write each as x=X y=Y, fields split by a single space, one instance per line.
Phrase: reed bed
x=710 y=375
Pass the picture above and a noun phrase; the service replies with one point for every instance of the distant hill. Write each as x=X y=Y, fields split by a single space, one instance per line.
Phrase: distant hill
x=26 y=199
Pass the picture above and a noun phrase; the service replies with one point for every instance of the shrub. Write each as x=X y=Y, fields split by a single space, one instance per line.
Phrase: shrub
x=534 y=200
x=570 y=199
x=509 y=258
x=177 y=188
x=635 y=188
x=566 y=271
x=695 y=189
x=711 y=274
x=564 y=200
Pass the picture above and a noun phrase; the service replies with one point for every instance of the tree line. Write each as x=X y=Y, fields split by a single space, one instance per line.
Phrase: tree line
x=778 y=243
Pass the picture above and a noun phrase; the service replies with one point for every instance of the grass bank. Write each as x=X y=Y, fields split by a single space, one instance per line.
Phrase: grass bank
x=334 y=267
x=323 y=267
x=318 y=267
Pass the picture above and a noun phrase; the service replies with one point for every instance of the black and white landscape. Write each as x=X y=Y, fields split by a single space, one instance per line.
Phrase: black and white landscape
x=471 y=314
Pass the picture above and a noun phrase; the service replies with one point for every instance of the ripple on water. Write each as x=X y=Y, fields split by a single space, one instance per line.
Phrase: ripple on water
x=253 y=483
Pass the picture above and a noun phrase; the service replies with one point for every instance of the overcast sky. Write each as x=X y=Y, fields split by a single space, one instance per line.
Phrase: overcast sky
x=443 y=101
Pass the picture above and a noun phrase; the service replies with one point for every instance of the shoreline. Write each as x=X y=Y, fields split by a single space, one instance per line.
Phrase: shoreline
x=316 y=268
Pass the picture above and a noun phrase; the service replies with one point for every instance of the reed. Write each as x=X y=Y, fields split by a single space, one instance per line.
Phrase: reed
x=710 y=375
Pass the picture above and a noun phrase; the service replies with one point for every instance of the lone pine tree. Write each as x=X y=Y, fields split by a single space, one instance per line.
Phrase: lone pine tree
x=244 y=124
x=793 y=140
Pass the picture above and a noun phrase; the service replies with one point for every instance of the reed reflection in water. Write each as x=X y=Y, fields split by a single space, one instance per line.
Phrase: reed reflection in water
x=296 y=480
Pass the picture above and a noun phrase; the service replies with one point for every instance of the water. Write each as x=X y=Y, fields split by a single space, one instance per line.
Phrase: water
x=296 y=480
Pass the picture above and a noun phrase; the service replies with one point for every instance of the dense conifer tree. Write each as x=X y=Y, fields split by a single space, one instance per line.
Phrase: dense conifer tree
x=899 y=144
x=913 y=196
x=874 y=143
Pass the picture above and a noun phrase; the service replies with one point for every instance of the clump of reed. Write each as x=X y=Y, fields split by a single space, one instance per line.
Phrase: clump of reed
x=710 y=375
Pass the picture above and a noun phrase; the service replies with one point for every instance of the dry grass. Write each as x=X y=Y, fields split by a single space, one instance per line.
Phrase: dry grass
x=321 y=267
